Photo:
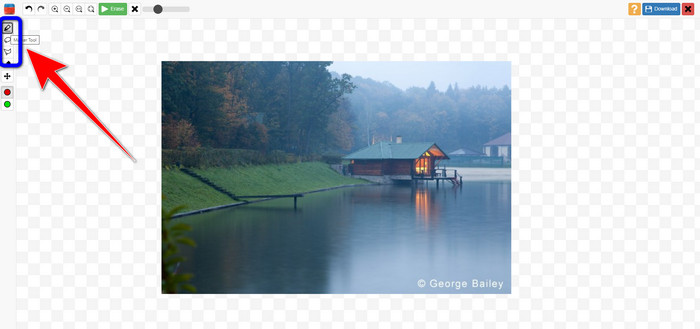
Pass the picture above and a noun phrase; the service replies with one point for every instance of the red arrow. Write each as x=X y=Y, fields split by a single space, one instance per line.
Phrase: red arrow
x=46 y=69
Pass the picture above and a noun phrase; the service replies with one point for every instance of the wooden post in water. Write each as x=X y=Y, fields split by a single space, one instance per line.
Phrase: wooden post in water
x=295 y=203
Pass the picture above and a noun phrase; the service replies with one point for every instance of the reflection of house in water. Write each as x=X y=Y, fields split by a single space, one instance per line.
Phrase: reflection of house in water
x=426 y=210
x=385 y=162
x=499 y=147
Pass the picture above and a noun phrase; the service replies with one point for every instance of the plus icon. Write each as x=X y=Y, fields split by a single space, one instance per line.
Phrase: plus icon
x=7 y=76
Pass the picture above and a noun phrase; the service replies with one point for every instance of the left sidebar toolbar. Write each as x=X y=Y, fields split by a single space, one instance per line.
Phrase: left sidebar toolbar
x=8 y=168
x=10 y=58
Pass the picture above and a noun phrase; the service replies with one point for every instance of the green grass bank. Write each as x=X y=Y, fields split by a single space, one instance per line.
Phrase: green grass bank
x=182 y=189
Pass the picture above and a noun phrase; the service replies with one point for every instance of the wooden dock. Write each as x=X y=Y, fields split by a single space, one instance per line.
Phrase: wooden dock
x=274 y=196
x=440 y=175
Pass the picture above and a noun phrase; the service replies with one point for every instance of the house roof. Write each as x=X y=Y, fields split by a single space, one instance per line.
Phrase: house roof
x=465 y=151
x=503 y=140
x=386 y=150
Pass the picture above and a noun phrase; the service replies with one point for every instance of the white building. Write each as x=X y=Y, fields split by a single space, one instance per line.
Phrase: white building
x=499 y=147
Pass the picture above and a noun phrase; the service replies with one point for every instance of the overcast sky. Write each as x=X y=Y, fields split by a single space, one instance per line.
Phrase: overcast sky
x=419 y=74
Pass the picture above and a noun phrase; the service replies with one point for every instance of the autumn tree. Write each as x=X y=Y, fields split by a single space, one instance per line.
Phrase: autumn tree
x=178 y=134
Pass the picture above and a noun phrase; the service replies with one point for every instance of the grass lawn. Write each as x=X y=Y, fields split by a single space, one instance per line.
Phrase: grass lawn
x=181 y=189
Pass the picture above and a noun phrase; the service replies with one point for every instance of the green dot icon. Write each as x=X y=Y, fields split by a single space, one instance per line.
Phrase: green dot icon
x=7 y=104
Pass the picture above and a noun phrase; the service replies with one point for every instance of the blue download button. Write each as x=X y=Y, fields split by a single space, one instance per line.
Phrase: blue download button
x=661 y=8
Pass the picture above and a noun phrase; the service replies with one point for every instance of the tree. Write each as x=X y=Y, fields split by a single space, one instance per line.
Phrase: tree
x=450 y=92
x=259 y=105
x=178 y=134
x=431 y=89
x=173 y=236
x=340 y=129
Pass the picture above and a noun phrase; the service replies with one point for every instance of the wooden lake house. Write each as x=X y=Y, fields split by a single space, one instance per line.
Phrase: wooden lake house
x=385 y=162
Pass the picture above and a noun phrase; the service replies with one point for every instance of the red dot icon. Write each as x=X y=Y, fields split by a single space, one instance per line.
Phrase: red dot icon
x=7 y=92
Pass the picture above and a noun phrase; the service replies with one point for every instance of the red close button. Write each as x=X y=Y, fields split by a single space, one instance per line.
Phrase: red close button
x=7 y=92
x=688 y=9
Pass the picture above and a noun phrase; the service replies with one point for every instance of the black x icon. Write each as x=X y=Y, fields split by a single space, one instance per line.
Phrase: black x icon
x=134 y=9
x=688 y=9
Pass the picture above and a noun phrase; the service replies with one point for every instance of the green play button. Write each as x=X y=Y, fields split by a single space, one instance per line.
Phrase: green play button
x=112 y=9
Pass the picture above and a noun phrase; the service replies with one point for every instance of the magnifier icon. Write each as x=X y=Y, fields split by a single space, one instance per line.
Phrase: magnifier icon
x=66 y=9
x=79 y=9
x=54 y=9
x=91 y=9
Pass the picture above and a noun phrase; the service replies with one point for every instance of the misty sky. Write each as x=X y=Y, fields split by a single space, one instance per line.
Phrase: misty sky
x=419 y=74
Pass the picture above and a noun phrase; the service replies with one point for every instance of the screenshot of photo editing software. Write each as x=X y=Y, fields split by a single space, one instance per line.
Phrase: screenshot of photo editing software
x=349 y=164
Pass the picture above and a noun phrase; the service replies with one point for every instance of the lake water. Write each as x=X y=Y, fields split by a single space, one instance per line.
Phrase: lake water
x=370 y=239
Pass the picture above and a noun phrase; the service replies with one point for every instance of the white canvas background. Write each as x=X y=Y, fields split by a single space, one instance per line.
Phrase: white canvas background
x=604 y=183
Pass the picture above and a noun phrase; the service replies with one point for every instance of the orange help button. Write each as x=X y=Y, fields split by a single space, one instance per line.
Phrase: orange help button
x=634 y=9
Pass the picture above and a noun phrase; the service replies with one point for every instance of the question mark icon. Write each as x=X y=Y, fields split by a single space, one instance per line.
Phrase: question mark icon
x=633 y=9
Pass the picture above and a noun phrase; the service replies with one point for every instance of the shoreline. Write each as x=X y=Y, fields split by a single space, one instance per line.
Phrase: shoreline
x=477 y=174
x=469 y=174
x=237 y=204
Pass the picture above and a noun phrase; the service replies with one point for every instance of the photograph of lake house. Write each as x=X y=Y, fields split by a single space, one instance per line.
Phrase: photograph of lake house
x=336 y=177
x=391 y=162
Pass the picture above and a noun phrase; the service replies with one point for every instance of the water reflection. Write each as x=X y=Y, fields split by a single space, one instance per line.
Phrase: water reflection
x=375 y=239
x=427 y=210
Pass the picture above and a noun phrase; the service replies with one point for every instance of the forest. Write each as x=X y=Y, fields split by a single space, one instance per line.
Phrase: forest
x=456 y=118
x=303 y=109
